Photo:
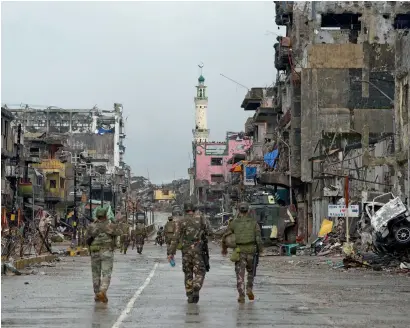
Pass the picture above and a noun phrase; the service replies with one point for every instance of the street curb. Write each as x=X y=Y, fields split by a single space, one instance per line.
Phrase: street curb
x=23 y=263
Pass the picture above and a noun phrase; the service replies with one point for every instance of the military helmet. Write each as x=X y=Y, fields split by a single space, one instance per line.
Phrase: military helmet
x=243 y=207
x=176 y=211
x=100 y=212
x=188 y=206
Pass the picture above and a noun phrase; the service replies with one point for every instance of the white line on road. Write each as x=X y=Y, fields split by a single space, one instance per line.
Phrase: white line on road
x=130 y=304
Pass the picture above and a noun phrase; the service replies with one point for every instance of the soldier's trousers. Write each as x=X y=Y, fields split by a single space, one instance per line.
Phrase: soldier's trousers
x=124 y=242
x=139 y=240
x=101 y=267
x=245 y=263
x=193 y=267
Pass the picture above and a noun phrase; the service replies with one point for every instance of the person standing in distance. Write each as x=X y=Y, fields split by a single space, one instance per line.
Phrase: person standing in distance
x=101 y=235
x=190 y=231
x=248 y=242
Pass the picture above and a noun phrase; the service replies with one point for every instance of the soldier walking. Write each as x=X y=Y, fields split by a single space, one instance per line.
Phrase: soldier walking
x=191 y=231
x=170 y=226
x=140 y=234
x=248 y=243
x=125 y=237
x=101 y=236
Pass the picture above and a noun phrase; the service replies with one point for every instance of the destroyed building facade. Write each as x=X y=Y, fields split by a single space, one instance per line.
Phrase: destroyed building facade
x=331 y=111
x=57 y=140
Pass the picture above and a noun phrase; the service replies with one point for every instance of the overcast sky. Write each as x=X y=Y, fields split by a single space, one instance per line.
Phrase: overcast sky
x=145 y=56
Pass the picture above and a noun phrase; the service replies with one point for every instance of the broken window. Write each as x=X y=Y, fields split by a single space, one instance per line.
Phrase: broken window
x=344 y=21
x=216 y=161
x=402 y=21
x=217 y=178
x=53 y=184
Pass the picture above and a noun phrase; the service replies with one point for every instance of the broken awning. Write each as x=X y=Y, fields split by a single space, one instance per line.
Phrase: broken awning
x=237 y=167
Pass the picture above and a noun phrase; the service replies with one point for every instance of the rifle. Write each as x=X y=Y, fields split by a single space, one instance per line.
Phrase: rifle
x=205 y=252
x=255 y=258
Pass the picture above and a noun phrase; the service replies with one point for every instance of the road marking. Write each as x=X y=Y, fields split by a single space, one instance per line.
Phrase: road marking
x=130 y=304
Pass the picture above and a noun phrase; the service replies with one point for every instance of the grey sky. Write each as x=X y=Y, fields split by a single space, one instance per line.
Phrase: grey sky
x=143 y=55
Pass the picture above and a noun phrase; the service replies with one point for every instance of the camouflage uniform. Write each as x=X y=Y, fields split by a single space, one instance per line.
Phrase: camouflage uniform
x=140 y=234
x=170 y=226
x=101 y=240
x=248 y=237
x=125 y=236
x=188 y=233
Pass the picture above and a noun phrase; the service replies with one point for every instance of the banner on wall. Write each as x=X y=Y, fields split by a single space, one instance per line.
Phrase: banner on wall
x=250 y=172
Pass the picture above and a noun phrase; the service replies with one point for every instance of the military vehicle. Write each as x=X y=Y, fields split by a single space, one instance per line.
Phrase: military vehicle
x=276 y=221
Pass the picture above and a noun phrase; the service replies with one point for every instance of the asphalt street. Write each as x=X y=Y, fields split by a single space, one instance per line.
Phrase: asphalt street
x=147 y=292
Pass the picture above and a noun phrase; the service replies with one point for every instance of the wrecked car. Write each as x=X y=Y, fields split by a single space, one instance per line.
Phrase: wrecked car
x=385 y=223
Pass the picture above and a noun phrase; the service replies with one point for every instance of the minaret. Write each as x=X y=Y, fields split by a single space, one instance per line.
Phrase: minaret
x=201 y=132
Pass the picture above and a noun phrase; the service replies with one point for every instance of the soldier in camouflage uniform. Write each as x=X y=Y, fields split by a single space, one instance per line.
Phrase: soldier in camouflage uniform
x=189 y=232
x=248 y=241
x=170 y=226
x=101 y=236
x=125 y=237
x=140 y=234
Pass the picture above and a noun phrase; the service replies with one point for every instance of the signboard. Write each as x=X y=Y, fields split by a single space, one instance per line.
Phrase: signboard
x=249 y=175
x=339 y=211
x=216 y=149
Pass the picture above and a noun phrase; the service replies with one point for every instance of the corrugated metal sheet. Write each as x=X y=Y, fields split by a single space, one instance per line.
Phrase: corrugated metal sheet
x=319 y=211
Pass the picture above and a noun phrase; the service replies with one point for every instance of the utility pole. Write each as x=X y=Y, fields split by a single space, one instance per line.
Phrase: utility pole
x=90 y=182
x=16 y=175
x=75 y=205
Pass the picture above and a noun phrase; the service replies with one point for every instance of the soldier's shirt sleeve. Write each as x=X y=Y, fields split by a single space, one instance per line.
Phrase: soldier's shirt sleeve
x=115 y=229
x=177 y=236
x=228 y=231
x=91 y=230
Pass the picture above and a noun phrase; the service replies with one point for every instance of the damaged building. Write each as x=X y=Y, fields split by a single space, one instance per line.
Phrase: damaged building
x=58 y=140
x=331 y=112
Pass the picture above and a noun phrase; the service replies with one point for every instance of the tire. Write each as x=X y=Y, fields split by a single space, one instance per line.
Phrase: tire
x=401 y=233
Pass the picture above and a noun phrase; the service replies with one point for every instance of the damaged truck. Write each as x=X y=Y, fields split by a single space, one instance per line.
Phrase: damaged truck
x=385 y=224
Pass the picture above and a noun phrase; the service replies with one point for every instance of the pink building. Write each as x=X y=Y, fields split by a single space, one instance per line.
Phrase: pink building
x=211 y=159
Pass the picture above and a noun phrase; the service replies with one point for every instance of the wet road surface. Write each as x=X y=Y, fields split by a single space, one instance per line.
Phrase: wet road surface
x=147 y=292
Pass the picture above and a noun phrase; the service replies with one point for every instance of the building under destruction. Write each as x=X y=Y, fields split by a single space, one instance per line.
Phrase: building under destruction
x=338 y=110
x=71 y=160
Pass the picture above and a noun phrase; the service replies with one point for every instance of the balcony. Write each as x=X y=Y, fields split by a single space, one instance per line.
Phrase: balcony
x=282 y=54
x=27 y=189
x=264 y=114
x=284 y=12
x=11 y=171
x=51 y=166
x=54 y=195
x=253 y=99
x=122 y=135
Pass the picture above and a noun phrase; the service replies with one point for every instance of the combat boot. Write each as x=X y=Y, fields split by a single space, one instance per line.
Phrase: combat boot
x=195 y=295
x=241 y=299
x=102 y=297
x=251 y=296
x=190 y=298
